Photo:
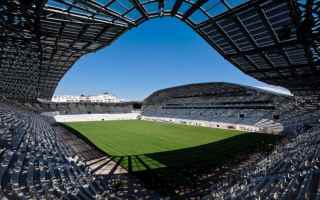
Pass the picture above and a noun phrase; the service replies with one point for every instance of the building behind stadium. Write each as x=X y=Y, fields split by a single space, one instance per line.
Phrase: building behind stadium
x=100 y=98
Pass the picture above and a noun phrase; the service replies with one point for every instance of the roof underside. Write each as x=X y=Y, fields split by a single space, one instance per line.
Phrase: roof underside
x=275 y=41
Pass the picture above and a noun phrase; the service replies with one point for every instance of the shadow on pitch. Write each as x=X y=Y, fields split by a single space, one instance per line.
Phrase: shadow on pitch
x=187 y=172
x=212 y=154
x=187 y=168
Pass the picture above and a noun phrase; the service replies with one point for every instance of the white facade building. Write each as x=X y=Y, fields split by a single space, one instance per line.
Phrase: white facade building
x=101 y=98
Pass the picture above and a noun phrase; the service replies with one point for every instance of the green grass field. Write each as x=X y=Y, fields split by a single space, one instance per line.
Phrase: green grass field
x=140 y=145
x=135 y=137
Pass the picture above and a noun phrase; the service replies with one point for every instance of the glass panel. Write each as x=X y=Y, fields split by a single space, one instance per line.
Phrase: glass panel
x=198 y=17
x=117 y=7
x=168 y=5
x=235 y=3
x=134 y=14
x=152 y=7
x=215 y=7
x=184 y=7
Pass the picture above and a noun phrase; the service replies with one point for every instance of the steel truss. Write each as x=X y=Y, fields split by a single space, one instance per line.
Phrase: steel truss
x=275 y=41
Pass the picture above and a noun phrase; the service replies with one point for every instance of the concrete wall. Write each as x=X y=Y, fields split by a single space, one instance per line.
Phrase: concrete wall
x=96 y=117
x=210 y=124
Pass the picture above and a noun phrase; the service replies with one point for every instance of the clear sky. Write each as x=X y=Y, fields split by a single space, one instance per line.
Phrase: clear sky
x=159 y=53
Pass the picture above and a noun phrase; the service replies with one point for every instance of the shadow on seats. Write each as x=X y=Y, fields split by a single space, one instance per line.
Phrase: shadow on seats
x=188 y=169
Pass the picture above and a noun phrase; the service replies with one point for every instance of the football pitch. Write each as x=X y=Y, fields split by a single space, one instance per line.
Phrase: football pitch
x=139 y=145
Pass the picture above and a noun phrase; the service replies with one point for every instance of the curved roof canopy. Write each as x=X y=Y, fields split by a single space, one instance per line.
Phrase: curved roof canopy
x=275 y=41
x=215 y=89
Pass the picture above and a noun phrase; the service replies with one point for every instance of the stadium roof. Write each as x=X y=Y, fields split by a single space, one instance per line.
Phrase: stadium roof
x=217 y=89
x=275 y=41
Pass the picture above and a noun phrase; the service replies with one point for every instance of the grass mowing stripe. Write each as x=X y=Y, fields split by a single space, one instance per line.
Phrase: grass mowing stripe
x=135 y=137
x=154 y=145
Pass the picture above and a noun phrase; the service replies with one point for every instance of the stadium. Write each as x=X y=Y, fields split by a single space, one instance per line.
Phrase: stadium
x=212 y=140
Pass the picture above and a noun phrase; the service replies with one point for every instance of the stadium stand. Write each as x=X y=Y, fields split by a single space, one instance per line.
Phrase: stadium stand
x=39 y=160
x=224 y=105
x=80 y=108
x=290 y=172
x=36 y=162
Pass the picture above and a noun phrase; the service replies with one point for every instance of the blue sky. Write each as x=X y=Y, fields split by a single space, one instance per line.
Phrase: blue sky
x=159 y=53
